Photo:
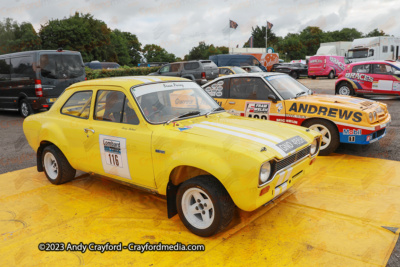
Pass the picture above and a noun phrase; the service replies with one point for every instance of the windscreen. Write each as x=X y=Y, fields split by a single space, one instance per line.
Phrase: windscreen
x=360 y=53
x=287 y=87
x=61 y=66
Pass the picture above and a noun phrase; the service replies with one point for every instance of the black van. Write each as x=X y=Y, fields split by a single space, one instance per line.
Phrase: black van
x=33 y=80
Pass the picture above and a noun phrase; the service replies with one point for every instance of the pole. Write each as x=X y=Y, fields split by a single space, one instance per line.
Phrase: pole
x=229 y=29
x=266 y=37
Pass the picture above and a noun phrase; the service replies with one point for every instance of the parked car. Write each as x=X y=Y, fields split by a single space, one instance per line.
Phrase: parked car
x=230 y=70
x=252 y=69
x=199 y=71
x=278 y=97
x=167 y=136
x=97 y=65
x=33 y=80
x=237 y=60
x=326 y=66
x=369 y=77
x=295 y=70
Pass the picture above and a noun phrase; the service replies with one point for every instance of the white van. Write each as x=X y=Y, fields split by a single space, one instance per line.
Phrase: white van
x=374 y=48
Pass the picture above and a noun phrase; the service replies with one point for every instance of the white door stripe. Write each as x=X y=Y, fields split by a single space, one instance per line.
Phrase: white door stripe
x=263 y=135
x=245 y=136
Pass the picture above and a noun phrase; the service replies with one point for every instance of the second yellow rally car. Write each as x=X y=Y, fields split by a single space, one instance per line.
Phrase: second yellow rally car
x=169 y=137
x=278 y=97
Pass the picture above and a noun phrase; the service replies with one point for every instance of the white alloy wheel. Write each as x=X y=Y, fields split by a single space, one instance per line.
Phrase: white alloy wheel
x=344 y=90
x=326 y=134
x=198 y=208
x=50 y=165
x=24 y=109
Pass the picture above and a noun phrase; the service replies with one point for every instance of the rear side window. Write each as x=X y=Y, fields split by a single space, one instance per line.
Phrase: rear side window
x=209 y=63
x=61 y=66
x=115 y=107
x=191 y=66
x=382 y=69
x=364 y=68
x=4 y=69
x=22 y=69
x=175 y=67
x=78 y=105
x=218 y=89
x=249 y=88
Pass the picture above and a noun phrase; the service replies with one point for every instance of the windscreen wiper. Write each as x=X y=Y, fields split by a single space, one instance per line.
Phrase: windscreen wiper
x=213 y=110
x=187 y=114
x=299 y=94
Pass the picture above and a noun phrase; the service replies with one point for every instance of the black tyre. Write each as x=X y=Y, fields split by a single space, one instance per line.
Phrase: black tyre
x=344 y=88
x=56 y=166
x=204 y=205
x=294 y=75
x=331 y=75
x=329 y=132
x=25 y=108
x=313 y=77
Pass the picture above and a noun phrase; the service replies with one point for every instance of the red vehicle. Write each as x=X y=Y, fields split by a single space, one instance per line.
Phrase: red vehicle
x=369 y=77
x=326 y=66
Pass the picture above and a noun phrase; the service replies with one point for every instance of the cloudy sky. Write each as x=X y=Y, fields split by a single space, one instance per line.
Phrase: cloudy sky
x=178 y=25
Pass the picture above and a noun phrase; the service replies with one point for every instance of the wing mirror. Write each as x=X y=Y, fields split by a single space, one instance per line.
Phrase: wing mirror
x=272 y=98
x=397 y=72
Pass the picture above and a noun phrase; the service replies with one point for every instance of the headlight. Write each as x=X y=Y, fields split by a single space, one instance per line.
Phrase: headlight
x=265 y=172
x=314 y=146
x=371 y=117
x=375 y=115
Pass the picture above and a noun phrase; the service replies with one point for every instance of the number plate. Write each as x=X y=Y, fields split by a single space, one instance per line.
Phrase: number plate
x=291 y=144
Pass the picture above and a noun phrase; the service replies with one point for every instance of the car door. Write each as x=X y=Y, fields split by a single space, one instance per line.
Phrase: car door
x=252 y=97
x=121 y=143
x=219 y=91
x=362 y=77
x=174 y=70
x=384 y=79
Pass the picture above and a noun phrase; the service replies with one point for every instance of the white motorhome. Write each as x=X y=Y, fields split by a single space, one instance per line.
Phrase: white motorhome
x=374 y=48
x=334 y=49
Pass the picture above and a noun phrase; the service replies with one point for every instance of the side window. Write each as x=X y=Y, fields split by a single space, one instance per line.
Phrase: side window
x=115 y=107
x=371 y=53
x=381 y=69
x=175 y=67
x=218 y=89
x=78 y=105
x=22 y=68
x=249 y=88
x=4 y=69
x=189 y=66
x=165 y=69
x=384 y=49
x=361 y=68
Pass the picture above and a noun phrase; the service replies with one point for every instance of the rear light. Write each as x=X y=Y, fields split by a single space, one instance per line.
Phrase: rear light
x=203 y=75
x=38 y=88
x=45 y=106
x=85 y=78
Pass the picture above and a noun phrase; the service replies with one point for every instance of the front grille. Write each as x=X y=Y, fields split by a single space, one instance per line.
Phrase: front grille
x=292 y=159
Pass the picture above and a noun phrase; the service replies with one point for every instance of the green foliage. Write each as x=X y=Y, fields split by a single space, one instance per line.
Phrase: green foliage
x=155 y=53
x=123 y=71
x=203 y=51
x=376 y=32
x=259 y=38
x=16 y=37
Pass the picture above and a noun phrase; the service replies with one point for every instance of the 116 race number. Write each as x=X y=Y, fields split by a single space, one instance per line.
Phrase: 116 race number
x=114 y=159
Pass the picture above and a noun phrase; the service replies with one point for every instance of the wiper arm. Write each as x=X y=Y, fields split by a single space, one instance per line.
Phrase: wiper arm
x=189 y=113
x=213 y=110
x=299 y=94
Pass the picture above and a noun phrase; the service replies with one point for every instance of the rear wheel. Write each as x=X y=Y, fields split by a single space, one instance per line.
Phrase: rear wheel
x=294 y=75
x=329 y=132
x=313 y=77
x=204 y=205
x=56 y=166
x=331 y=75
x=345 y=89
x=25 y=108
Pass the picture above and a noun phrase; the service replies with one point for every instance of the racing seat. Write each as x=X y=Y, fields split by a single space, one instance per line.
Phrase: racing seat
x=113 y=107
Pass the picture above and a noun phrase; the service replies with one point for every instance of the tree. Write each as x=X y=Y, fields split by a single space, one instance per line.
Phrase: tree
x=259 y=38
x=133 y=46
x=155 y=53
x=375 y=32
x=80 y=32
x=204 y=51
x=16 y=37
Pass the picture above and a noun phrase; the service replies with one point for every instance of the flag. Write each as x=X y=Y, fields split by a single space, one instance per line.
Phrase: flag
x=233 y=24
x=251 y=41
x=269 y=25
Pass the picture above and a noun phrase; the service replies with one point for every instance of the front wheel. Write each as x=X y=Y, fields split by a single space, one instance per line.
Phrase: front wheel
x=345 y=89
x=331 y=75
x=294 y=75
x=329 y=132
x=56 y=166
x=25 y=108
x=204 y=205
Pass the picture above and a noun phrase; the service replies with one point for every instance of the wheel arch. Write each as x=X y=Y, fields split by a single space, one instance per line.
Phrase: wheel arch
x=39 y=152
x=320 y=118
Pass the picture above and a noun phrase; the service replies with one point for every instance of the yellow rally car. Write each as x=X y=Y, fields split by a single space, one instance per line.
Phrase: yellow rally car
x=229 y=70
x=278 y=97
x=167 y=136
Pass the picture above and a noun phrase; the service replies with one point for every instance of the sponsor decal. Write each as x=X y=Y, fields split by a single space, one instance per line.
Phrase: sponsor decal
x=337 y=62
x=296 y=116
x=291 y=121
x=185 y=128
x=352 y=132
x=316 y=61
x=325 y=111
x=257 y=110
x=291 y=144
x=280 y=120
x=280 y=107
x=396 y=86
x=220 y=83
x=114 y=156
x=369 y=137
x=218 y=94
x=352 y=139
x=160 y=151
x=359 y=76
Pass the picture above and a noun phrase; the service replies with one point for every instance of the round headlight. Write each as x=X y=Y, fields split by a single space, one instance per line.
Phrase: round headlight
x=265 y=171
x=314 y=147
x=370 y=116
x=375 y=115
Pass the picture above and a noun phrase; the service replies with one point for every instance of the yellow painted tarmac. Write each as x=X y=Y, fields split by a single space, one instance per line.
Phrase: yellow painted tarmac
x=333 y=217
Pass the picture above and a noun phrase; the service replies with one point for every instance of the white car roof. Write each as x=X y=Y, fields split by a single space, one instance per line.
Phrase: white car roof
x=255 y=74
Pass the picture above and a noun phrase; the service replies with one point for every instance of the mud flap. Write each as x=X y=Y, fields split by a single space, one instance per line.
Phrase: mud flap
x=172 y=190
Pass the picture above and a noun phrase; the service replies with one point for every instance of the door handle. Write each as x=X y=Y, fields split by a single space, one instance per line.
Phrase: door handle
x=87 y=130
x=232 y=102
